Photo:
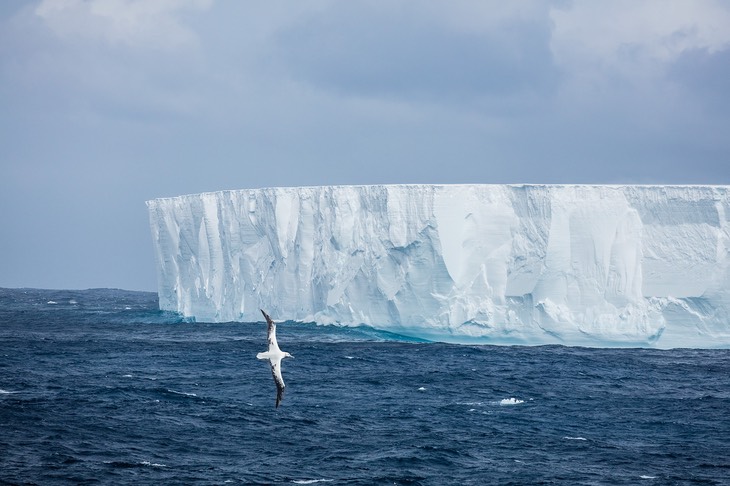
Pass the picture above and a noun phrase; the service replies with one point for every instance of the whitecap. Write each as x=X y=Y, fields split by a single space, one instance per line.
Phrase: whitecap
x=51 y=302
x=510 y=401
x=182 y=393
x=126 y=376
x=6 y=392
x=349 y=357
x=134 y=464
x=422 y=389
x=643 y=476
x=311 y=481
x=574 y=438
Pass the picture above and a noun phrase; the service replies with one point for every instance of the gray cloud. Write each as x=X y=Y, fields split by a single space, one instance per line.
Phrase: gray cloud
x=705 y=74
x=361 y=49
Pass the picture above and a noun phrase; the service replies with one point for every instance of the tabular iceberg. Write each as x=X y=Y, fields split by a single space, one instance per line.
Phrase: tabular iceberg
x=531 y=264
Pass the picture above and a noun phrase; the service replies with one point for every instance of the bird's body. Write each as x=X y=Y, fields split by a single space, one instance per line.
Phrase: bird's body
x=274 y=355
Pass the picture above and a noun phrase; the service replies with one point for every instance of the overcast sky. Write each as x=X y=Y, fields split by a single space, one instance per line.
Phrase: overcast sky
x=105 y=104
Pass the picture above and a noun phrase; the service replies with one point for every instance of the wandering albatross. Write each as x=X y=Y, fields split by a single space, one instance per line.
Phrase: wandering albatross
x=274 y=355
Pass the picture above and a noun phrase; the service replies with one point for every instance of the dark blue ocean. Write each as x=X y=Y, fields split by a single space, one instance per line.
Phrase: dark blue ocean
x=101 y=387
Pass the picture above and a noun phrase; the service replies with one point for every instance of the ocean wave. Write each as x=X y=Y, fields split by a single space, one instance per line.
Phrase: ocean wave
x=185 y=394
x=128 y=465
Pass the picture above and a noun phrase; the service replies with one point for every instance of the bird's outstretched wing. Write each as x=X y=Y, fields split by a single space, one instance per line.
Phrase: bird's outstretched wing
x=273 y=345
x=276 y=371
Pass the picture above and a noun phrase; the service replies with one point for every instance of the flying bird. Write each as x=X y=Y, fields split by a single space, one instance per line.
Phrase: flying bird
x=274 y=355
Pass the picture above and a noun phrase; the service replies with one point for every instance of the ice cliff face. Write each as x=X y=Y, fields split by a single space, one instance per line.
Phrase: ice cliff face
x=585 y=265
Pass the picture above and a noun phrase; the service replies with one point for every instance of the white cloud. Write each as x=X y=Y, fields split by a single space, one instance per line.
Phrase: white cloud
x=607 y=33
x=133 y=23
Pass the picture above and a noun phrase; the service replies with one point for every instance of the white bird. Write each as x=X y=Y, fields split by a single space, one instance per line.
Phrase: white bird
x=275 y=355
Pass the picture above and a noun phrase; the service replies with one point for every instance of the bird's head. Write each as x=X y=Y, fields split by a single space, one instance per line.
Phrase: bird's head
x=287 y=355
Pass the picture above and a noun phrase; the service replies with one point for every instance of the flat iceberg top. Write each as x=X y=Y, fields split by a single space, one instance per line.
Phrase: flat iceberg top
x=453 y=185
x=603 y=265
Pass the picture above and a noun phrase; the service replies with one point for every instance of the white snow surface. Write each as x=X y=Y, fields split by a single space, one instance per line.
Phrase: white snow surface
x=588 y=265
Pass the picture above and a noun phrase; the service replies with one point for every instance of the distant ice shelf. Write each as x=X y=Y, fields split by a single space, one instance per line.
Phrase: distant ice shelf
x=584 y=265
